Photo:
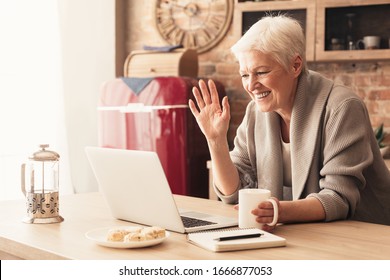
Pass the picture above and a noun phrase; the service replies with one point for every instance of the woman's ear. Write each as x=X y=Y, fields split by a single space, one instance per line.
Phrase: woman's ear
x=297 y=66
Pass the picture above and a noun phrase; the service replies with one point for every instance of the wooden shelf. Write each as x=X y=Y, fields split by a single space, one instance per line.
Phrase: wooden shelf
x=354 y=55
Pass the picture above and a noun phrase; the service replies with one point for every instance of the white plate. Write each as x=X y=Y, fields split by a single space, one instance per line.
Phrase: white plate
x=99 y=235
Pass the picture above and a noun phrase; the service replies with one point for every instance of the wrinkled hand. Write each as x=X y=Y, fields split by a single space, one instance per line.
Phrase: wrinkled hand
x=212 y=119
x=264 y=213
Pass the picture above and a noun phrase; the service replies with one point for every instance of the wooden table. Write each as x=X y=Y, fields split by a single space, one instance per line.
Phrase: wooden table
x=83 y=212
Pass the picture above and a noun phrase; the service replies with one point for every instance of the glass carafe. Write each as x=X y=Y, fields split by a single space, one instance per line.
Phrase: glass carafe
x=40 y=185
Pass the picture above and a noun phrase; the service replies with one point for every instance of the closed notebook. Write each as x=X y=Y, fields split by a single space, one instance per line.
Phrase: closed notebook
x=235 y=239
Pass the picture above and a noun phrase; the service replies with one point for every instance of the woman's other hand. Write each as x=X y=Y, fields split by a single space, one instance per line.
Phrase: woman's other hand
x=265 y=214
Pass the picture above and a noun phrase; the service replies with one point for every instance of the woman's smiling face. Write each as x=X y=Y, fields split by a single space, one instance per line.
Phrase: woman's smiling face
x=267 y=82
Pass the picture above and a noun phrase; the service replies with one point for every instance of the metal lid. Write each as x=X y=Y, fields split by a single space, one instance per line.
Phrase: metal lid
x=45 y=155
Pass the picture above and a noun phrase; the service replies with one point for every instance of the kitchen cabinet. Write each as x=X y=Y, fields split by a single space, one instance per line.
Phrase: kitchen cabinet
x=350 y=21
x=247 y=13
x=329 y=25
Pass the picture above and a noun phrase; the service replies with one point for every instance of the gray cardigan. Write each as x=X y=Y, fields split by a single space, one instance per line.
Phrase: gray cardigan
x=334 y=153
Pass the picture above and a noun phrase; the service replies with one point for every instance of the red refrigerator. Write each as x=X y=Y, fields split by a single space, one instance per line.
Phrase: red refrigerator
x=152 y=114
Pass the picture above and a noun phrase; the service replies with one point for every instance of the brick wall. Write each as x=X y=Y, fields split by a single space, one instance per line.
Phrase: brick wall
x=370 y=80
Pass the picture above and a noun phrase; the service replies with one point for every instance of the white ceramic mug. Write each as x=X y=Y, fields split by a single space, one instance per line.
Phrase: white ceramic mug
x=369 y=43
x=249 y=199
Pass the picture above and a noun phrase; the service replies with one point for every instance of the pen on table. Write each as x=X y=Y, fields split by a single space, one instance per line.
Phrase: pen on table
x=225 y=238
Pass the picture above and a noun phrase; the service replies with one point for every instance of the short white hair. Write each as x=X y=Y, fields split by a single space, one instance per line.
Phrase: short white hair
x=280 y=36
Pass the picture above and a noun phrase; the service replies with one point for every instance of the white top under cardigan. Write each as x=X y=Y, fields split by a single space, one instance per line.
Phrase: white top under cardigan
x=287 y=181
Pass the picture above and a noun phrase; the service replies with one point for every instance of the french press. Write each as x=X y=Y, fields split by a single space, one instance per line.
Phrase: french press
x=41 y=177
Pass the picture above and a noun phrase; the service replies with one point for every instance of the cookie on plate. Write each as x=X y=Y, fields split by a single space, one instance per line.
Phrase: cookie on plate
x=153 y=232
x=134 y=236
x=118 y=235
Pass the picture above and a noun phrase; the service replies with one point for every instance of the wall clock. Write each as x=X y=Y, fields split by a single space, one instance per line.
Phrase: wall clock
x=196 y=24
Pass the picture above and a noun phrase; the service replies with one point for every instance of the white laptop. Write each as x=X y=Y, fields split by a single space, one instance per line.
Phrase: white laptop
x=136 y=190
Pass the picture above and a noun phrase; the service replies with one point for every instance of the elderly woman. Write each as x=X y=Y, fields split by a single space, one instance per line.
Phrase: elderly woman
x=306 y=139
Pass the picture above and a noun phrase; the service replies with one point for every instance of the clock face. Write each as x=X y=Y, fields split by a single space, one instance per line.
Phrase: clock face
x=196 y=24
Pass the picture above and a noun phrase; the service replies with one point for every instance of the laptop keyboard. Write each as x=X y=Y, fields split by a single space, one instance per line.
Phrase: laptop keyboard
x=192 y=222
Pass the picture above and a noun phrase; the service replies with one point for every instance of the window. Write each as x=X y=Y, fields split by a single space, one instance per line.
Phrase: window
x=31 y=97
